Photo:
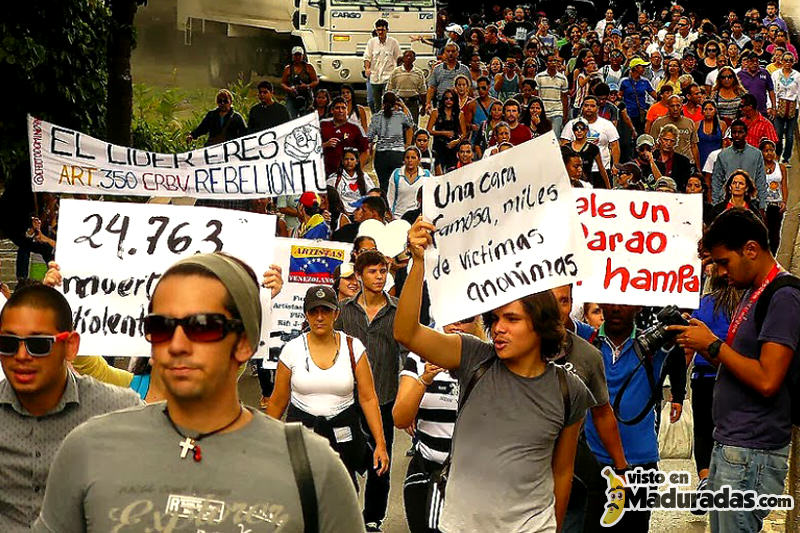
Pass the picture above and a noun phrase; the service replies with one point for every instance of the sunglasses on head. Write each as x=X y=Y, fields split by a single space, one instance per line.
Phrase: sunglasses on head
x=200 y=327
x=35 y=345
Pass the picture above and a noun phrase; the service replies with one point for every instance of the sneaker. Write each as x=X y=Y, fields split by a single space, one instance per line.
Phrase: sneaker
x=787 y=164
x=701 y=487
x=373 y=526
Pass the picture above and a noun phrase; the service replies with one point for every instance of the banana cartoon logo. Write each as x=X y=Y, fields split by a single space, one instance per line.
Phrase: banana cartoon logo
x=302 y=142
x=615 y=493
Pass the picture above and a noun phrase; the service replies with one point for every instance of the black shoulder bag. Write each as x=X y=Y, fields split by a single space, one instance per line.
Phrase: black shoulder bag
x=302 y=475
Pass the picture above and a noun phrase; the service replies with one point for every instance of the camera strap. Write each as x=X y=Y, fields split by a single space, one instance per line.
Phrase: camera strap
x=647 y=362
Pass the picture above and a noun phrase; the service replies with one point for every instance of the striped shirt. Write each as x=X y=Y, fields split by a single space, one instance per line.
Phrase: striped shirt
x=387 y=133
x=436 y=417
x=383 y=352
x=550 y=90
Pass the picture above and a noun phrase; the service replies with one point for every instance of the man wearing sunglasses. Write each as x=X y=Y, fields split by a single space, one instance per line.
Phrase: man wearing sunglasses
x=200 y=461
x=41 y=400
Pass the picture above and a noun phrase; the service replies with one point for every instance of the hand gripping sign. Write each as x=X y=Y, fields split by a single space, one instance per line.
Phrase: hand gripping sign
x=506 y=228
x=112 y=254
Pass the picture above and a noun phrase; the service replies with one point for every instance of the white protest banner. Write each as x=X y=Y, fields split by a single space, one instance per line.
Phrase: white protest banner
x=505 y=228
x=304 y=263
x=284 y=160
x=112 y=254
x=642 y=247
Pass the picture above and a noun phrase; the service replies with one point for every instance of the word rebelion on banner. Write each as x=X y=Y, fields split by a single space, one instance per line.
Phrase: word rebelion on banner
x=285 y=160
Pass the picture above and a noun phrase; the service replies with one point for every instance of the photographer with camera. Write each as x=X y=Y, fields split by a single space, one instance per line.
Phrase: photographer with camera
x=757 y=364
x=633 y=365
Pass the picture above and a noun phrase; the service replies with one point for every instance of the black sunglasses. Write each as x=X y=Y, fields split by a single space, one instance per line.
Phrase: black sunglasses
x=223 y=101
x=35 y=345
x=200 y=327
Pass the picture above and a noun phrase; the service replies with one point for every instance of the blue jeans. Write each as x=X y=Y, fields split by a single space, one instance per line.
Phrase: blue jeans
x=558 y=122
x=763 y=471
x=784 y=127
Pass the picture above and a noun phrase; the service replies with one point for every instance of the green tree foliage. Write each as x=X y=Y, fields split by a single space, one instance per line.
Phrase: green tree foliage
x=53 y=64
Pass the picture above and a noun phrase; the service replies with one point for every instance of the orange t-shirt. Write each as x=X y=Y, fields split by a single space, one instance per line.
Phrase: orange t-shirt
x=656 y=110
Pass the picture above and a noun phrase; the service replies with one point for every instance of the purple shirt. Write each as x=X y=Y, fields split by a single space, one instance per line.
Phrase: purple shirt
x=742 y=416
x=778 y=21
x=758 y=84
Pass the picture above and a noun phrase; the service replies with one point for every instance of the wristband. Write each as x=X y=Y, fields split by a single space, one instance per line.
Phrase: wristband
x=419 y=378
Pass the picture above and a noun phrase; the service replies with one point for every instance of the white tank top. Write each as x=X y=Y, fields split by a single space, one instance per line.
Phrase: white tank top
x=774 y=192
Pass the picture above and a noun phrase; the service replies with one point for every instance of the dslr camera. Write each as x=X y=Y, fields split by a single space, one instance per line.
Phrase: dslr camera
x=657 y=336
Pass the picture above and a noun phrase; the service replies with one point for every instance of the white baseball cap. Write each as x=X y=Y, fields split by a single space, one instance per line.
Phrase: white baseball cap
x=458 y=28
x=297 y=50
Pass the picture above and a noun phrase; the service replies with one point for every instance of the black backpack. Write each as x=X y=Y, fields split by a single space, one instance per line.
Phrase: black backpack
x=760 y=314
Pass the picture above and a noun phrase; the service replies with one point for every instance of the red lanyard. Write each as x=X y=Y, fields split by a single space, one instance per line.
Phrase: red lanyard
x=740 y=316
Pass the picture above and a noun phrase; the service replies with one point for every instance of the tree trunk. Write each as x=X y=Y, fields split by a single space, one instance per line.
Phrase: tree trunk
x=119 y=110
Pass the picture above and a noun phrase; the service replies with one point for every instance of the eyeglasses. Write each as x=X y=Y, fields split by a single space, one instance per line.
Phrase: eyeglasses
x=200 y=327
x=223 y=101
x=35 y=345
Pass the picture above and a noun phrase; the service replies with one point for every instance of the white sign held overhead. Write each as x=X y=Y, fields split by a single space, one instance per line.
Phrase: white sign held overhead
x=284 y=160
x=642 y=247
x=505 y=228
x=112 y=254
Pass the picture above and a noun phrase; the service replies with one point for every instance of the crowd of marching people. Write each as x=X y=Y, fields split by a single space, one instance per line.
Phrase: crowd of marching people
x=518 y=412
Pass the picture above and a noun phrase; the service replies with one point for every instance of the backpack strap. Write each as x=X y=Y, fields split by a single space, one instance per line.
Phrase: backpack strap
x=302 y=475
x=562 y=381
x=762 y=305
x=349 y=340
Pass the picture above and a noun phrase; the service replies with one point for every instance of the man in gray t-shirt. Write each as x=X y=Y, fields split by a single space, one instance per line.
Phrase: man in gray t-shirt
x=199 y=461
x=514 y=440
x=122 y=471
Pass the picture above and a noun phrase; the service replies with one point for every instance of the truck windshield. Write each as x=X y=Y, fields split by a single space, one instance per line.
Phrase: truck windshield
x=383 y=3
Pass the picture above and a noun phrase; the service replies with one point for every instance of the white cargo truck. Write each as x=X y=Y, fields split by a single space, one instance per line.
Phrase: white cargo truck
x=245 y=35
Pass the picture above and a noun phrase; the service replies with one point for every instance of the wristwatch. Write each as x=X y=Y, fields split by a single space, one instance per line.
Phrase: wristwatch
x=713 y=349
x=621 y=471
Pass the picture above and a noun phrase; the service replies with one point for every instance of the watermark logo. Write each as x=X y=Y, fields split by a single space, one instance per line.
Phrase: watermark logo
x=640 y=491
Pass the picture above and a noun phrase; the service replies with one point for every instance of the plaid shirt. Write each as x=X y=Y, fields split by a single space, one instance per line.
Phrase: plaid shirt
x=758 y=128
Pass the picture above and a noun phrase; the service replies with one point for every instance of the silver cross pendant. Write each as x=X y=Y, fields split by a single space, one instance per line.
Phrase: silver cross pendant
x=186 y=445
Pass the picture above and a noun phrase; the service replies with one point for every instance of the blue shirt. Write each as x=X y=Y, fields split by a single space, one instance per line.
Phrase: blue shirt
x=639 y=441
x=634 y=94
x=718 y=323
x=583 y=330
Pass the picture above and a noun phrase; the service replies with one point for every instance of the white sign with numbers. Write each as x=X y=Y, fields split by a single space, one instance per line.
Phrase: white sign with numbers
x=112 y=254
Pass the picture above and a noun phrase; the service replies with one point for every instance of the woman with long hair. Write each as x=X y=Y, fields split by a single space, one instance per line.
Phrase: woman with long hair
x=716 y=310
x=777 y=192
x=447 y=126
x=349 y=179
x=710 y=131
x=405 y=182
x=727 y=94
x=390 y=132
x=787 y=93
x=710 y=56
x=672 y=77
x=426 y=402
x=319 y=375
x=463 y=88
x=322 y=103
x=487 y=128
x=356 y=113
x=495 y=68
x=740 y=191
x=733 y=54
x=536 y=118
x=585 y=70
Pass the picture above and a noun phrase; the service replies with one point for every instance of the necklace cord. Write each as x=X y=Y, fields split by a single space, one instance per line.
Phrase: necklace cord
x=203 y=435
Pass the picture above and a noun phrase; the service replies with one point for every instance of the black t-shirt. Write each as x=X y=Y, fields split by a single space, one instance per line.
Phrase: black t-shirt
x=518 y=30
x=264 y=117
x=347 y=233
x=489 y=50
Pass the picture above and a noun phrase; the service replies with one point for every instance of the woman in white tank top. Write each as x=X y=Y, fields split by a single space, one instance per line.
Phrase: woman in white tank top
x=317 y=375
